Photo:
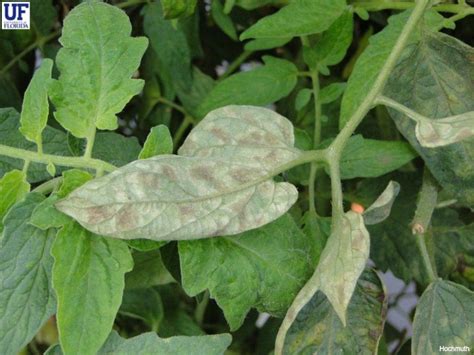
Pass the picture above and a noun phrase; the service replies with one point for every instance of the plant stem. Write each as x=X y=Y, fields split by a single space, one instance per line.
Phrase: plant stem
x=304 y=74
x=447 y=203
x=317 y=109
x=75 y=162
x=396 y=5
x=40 y=41
x=316 y=138
x=129 y=3
x=336 y=188
x=425 y=257
x=181 y=130
x=235 y=64
x=49 y=186
x=383 y=100
x=177 y=107
x=26 y=165
x=339 y=143
x=201 y=308
x=337 y=146
x=460 y=15
x=425 y=206
x=90 y=144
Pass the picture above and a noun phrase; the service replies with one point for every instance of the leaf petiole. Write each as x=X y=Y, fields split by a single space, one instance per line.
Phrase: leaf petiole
x=75 y=162
x=386 y=101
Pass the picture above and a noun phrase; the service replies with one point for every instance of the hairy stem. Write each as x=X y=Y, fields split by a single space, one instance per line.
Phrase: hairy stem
x=39 y=42
x=182 y=130
x=354 y=121
x=397 y=5
x=339 y=143
x=75 y=162
x=49 y=186
x=332 y=156
x=90 y=144
x=201 y=308
x=383 y=100
x=130 y=3
x=235 y=64
x=316 y=138
x=174 y=105
x=336 y=189
x=425 y=206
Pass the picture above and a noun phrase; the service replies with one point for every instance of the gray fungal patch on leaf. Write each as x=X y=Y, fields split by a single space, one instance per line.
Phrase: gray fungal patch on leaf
x=219 y=184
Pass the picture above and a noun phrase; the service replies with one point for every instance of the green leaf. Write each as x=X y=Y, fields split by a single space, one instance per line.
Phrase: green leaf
x=331 y=92
x=428 y=80
x=453 y=247
x=196 y=92
x=43 y=16
x=170 y=46
x=261 y=86
x=443 y=317
x=371 y=158
x=88 y=271
x=54 y=142
x=73 y=179
x=144 y=244
x=333 y=45
x=144 y=304
x=340 y=266
x=266 y=43
x=51 y=169
x=159 y=141
x=115 y=148
x=150 y=343
x=9 y=96
x=380 y=209
x=223 y=20
x=178 y=8
x=96 y=62
x=26 y=297
x=369 y=64
x=148 y=271
x=318 y=229
x=392 y=244
x=177 y=320
x=314 y=16
x=46 y=216
x=249 y=4
x=261 y=269
x=13 y=188
x=302 y=98
x=112 y=147
x=35 y=109
x=318 y=330
x=220 y=184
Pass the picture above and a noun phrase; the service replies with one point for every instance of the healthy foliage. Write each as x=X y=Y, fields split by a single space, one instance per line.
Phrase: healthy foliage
x=236 y=176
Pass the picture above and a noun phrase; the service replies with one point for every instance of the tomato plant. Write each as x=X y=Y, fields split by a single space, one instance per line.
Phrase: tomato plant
x=239 y=177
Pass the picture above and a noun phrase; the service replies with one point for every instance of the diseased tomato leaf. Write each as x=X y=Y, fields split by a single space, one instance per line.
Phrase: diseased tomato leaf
x=434 y=78
x=317 y=329
x=260 y=269
x=220 y=184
